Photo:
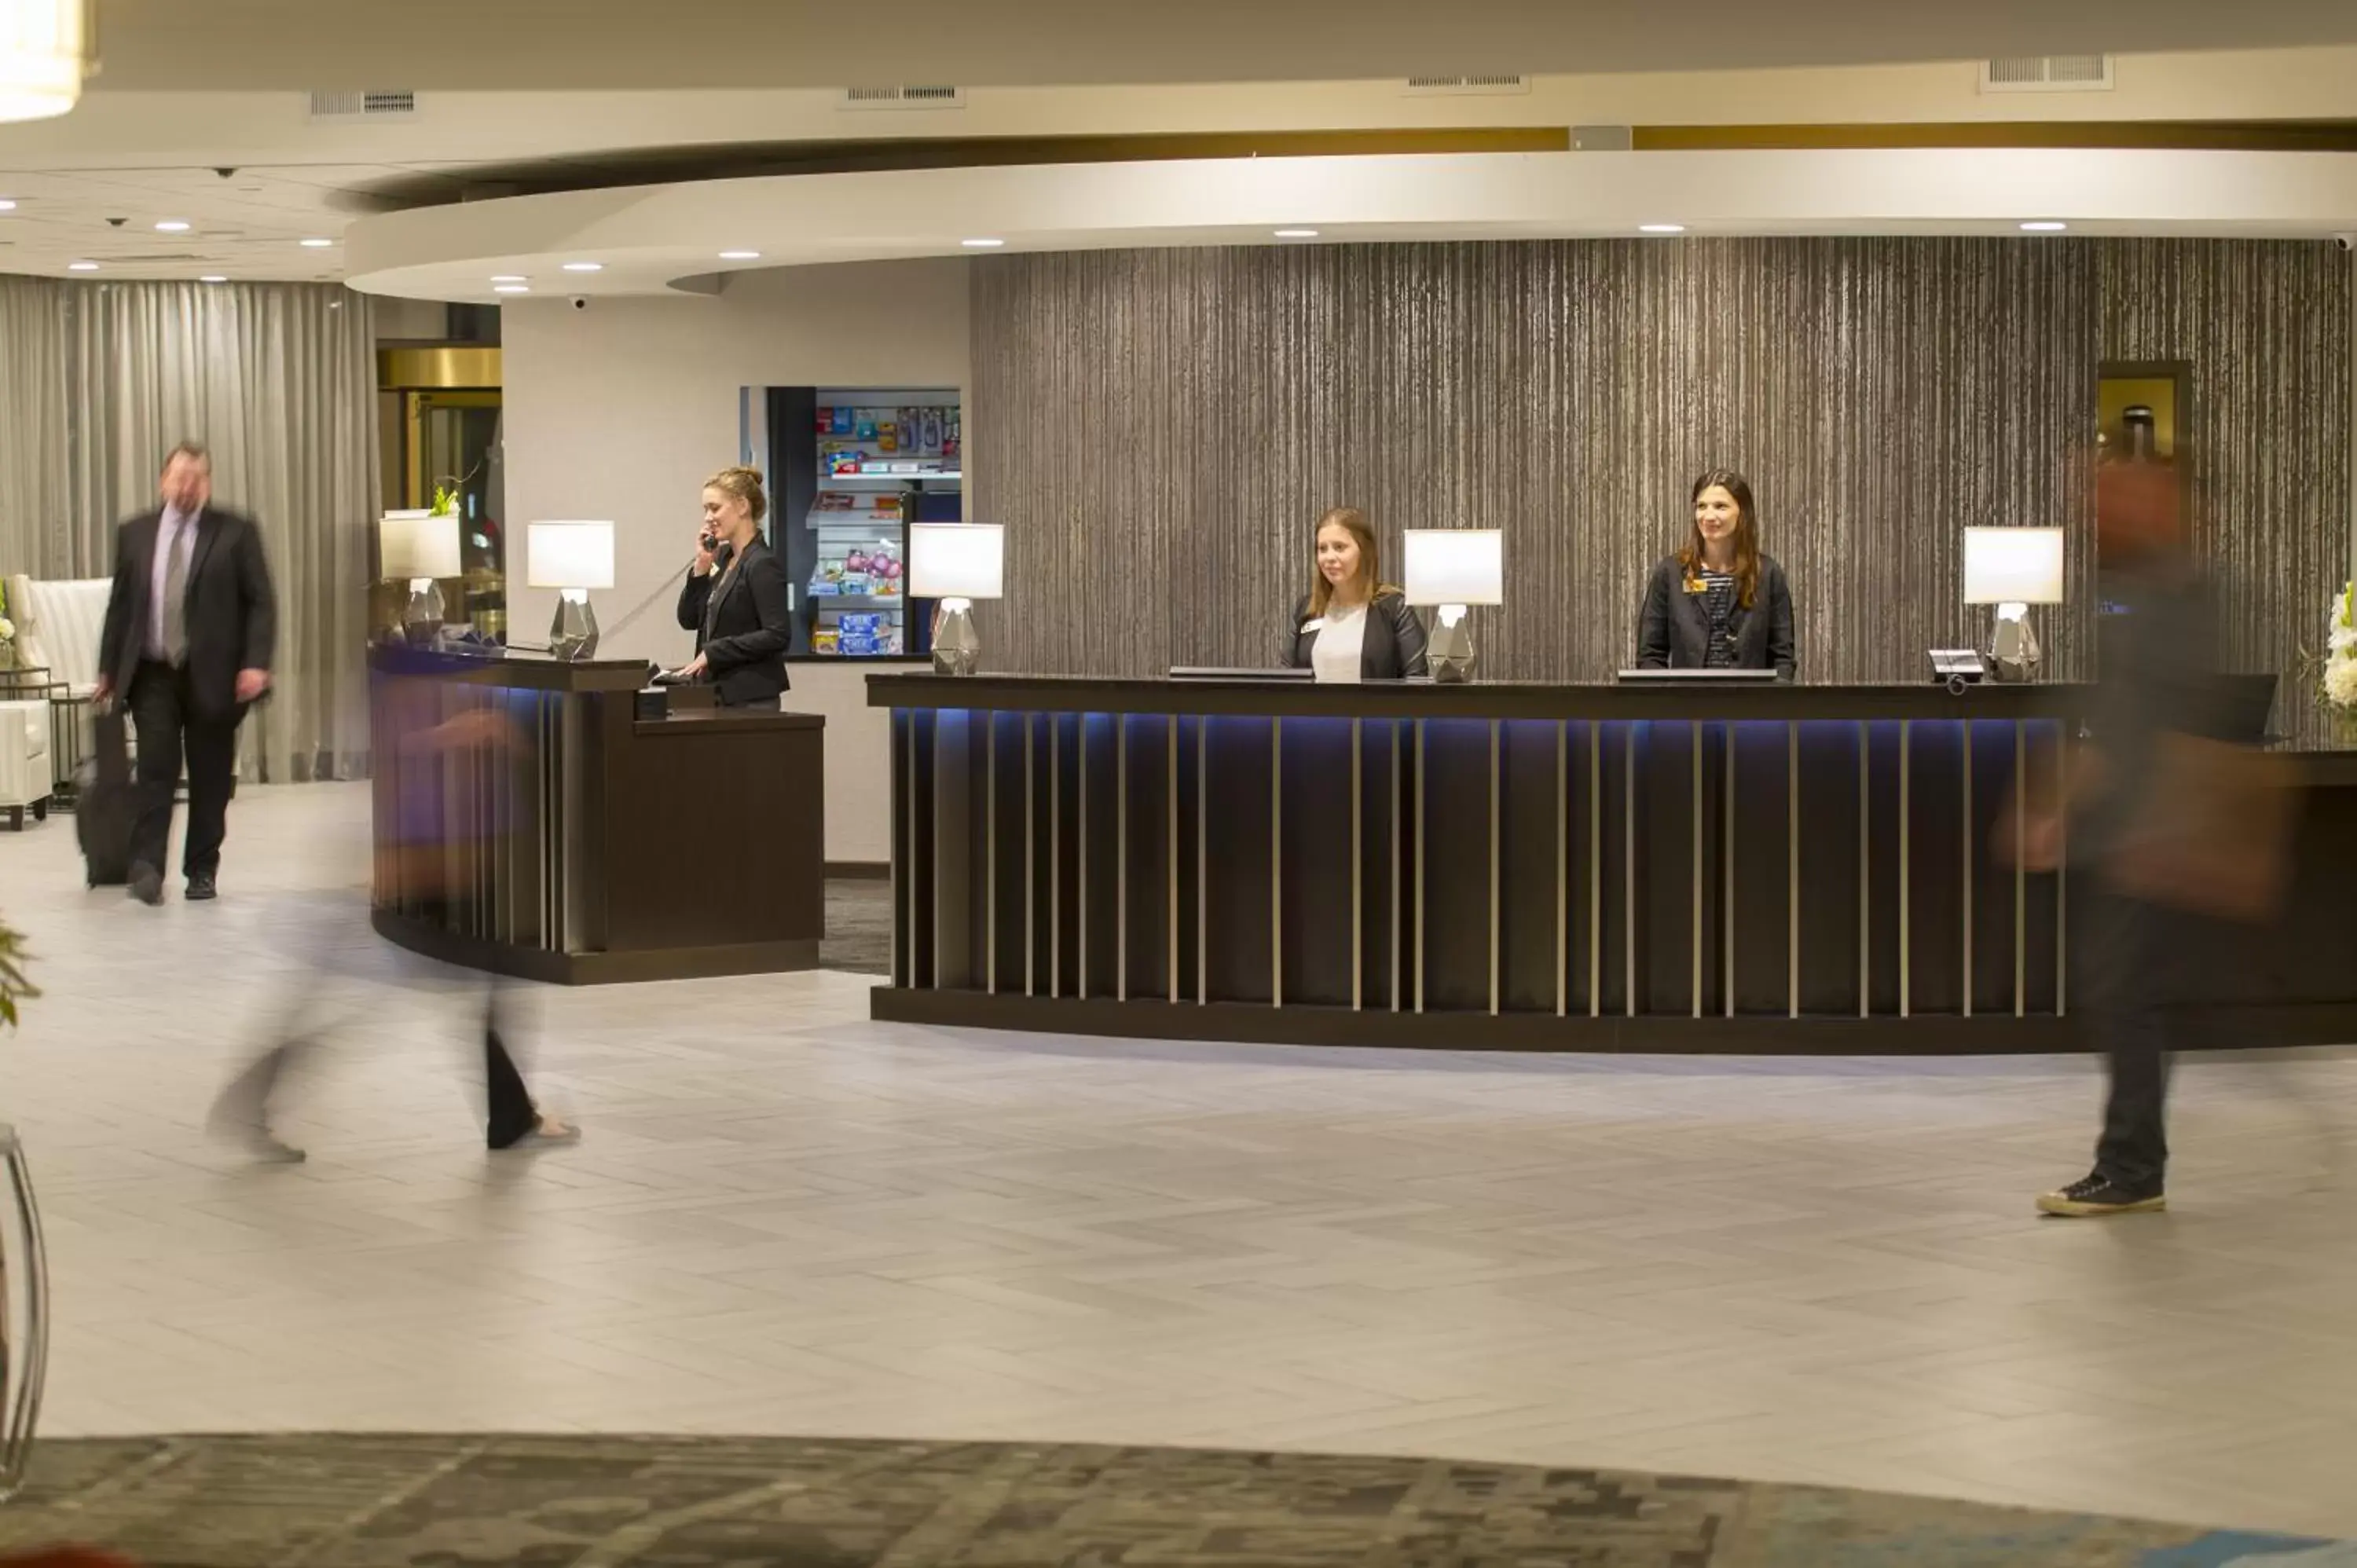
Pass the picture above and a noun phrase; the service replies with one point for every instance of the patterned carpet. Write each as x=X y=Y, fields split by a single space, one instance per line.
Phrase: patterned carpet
x=652 y=1502
x=859 y=926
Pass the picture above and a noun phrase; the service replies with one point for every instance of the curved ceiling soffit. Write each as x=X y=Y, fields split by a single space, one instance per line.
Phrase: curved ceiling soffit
x=652 y=238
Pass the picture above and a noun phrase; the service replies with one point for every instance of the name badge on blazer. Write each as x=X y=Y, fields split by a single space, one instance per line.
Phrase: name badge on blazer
x=1696 y=586
x=1315 y=623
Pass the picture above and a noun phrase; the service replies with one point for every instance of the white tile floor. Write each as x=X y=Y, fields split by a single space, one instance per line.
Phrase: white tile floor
x=788 y=1219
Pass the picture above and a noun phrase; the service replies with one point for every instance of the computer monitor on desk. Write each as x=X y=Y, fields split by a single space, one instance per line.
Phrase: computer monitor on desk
x=1699 y=677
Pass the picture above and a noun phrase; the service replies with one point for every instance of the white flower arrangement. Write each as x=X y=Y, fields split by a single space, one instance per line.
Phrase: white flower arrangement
x=2341 y=653
x=7 y=629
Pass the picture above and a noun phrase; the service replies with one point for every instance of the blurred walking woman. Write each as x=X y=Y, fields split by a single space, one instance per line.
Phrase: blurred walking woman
x=734 y=598
x=1718 y=603
x=1352 y=626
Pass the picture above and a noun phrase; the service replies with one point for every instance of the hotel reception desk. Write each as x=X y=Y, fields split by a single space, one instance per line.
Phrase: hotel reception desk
x=527 y=821
x=1626 y=867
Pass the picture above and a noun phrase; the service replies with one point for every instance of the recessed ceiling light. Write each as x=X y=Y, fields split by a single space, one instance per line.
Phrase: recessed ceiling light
x=1297 y=233
x=6 y=205
x=81 y=266
x=740 y=255
x=2043 y=226
x=585 y=266
x=316 y=244
x=173 y=226
x=1661 y=228
x=212 y=277
x=509 y=277
x=512 y=288
x=981 y=245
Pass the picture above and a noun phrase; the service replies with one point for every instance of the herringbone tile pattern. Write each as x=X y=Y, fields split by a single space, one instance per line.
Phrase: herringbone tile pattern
x=789 y=1220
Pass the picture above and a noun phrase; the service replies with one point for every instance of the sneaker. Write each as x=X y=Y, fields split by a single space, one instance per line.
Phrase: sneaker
x=2098 y=1196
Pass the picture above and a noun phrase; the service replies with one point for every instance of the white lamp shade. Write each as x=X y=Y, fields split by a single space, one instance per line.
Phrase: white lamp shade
x=2013 y=565
x=414 y=544
x=1456 y=567
x=957 y=560
x=569 y=554
x=42 y=50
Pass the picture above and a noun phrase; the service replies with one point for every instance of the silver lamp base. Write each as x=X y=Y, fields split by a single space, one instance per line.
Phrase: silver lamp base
x=574 y=633
x=421 y=618
x=1450 y=651
x=957 y=646
x=2014 y=654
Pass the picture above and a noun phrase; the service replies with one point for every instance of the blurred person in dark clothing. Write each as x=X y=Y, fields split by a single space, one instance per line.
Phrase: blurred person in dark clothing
x=431 y=846
x=190 y=628
x=2170 y=819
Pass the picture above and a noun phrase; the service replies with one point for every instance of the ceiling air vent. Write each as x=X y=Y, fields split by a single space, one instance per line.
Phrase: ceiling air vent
x=2047 y=73
x=1467 y=86
x=903 y=98
x=382 y=104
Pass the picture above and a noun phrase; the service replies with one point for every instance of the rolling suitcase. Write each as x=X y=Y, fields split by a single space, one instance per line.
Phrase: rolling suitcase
x=106 y=805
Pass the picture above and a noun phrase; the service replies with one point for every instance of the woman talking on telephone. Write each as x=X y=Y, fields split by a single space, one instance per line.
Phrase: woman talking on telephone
x=735 y=597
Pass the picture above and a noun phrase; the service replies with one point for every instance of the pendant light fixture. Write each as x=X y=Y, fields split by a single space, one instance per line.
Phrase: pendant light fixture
x=45 y=49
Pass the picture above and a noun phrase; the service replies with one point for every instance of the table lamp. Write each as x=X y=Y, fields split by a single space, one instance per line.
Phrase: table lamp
x=957 y=562
x=572 y=558
x=2013 y=568
x=1454 y=568
x=420 y=548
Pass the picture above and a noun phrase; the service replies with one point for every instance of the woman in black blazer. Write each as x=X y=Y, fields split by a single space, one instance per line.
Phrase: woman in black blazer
x=735 y=597
x=1351 y=626
x=1718 y=603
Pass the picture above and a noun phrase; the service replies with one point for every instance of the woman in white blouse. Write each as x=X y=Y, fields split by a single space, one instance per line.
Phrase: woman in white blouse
x=1351 y=626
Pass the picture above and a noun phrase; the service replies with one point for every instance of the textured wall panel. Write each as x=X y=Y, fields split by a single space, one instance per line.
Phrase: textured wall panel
x=1160 y=429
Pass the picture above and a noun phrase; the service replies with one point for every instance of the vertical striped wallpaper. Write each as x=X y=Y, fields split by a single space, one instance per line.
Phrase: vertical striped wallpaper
x=1160 y=430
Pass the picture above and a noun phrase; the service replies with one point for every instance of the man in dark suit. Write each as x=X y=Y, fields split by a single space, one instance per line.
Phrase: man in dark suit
x=189 y=631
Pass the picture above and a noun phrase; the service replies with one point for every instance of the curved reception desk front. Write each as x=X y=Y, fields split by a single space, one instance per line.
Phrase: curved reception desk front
x=528 y=821
x=1626 y=867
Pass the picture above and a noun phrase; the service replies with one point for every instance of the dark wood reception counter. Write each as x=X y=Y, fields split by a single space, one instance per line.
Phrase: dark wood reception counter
x=1610 y=867
x=527 y=821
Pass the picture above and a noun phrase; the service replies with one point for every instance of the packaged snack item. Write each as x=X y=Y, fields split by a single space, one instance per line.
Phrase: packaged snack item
x=887 y=436
x=834 y=500
x=824 y=640
x=865 y=427
x=825 y=421
x=842 y=421
x=932 y=441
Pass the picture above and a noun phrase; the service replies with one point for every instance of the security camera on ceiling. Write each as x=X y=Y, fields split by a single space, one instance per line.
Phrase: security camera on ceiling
x=580 y=302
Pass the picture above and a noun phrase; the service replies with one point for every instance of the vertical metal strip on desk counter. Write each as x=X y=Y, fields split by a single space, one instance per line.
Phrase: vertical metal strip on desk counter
x=1496 y=800
x=1693 y=940
x=1202 y=859
x=1170 y=863
x=1865 y=883
x=1629 y=866
x=1966 y=873
x=1031 y=869
x=1276 y=863
x=1562 y=870
x=938 y=841
x=1121 y=857
x=1906 y=860
x=1793 y=868
x=1594 y=869
x=990 y=853
x=1056 y=854
x=1080 y=882
x=1358 y=869
x=1392 y=952
x=2062 y=869
x=2020 y=870
x=1420 y=807
x=904 y=862
x=1727 y=854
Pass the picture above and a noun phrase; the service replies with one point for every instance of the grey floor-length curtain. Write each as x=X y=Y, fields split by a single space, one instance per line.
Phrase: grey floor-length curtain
x=278 y=380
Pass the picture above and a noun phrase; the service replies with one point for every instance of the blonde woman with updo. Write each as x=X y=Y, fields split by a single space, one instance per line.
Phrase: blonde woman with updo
x=734 y=598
